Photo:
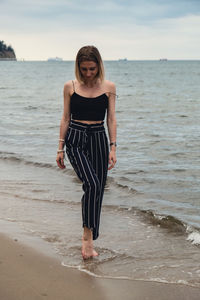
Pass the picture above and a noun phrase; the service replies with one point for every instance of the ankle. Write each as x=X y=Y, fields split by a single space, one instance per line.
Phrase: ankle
x=86 y=238
x=87 y=234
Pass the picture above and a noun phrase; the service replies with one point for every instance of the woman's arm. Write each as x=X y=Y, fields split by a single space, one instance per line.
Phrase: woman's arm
x=64 y=124
x=112 y=124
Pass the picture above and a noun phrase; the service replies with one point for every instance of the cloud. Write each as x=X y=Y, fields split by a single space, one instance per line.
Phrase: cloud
x=134 y=29
x=88 y=11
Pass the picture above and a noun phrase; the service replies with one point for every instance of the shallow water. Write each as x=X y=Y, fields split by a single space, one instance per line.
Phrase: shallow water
x=150 y=220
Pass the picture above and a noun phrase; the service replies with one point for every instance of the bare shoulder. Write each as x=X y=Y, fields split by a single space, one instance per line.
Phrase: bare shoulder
x=68 y=87
x=110 y=87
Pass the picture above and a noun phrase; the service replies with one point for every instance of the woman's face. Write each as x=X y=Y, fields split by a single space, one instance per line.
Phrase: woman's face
x=89 y=69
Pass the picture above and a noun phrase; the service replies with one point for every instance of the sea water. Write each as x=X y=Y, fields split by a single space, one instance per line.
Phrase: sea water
x=150 y=222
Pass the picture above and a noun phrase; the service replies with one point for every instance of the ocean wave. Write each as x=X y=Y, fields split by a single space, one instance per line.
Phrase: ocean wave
x=177 y=154
x=30 y=107
x=91 y=266
x=91 y=272
x=170 y=223
x=36 y=164
x=135 y=172
x=13 y=157
x=124 y=187
x=193 y=236
x=179 y=170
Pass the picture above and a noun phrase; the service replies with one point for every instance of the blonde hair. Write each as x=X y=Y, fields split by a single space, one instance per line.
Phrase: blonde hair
x=89 y=53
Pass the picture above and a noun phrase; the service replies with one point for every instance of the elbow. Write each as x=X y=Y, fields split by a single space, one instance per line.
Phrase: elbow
x=65 y=119
x=111 y=121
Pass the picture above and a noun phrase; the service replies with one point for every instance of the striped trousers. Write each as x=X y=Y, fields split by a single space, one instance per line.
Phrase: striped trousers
x=87 y=150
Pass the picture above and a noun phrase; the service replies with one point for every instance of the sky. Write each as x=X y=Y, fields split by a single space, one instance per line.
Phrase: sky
x=132 y=29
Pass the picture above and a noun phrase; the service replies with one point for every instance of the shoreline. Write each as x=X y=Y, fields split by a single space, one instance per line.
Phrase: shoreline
x=27 y=273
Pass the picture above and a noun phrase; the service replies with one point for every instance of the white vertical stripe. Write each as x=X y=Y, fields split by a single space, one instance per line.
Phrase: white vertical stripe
x=70 y=133
x=95 y=196
x=101 y=164
x=105 y=152
x=73 y=156
x=80 y=173
x=96 y=152
x=81 y=177
x=78 y=137
x=74 y=136
x=92 y=158
x=102 y=173
x=78 y=169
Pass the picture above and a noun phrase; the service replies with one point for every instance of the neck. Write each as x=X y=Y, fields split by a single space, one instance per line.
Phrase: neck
x=90 y=83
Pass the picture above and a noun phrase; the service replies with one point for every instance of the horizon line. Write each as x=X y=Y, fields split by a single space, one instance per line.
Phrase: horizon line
x=104 y=60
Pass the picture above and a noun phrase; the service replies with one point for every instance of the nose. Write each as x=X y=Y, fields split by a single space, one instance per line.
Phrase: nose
x=88 y=74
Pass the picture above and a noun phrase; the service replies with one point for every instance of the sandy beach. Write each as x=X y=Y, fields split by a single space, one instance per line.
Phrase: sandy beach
x=26 y=273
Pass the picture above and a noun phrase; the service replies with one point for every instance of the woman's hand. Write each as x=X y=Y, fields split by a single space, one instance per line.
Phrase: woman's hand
x=60 y=160
x=112 y=159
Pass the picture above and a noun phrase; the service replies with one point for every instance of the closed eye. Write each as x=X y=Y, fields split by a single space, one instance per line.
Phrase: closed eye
x=90 y=69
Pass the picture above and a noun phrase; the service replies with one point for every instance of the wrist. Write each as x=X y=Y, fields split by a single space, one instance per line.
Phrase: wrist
x=113 y=146
x=61 y=145
x=60 y=151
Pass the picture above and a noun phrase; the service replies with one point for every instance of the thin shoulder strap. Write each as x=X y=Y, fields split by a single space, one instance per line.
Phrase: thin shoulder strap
x=73 y=85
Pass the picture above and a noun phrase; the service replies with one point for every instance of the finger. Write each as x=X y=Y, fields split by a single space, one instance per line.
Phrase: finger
x=111 y=165
x=59 y=164
x=62 y=163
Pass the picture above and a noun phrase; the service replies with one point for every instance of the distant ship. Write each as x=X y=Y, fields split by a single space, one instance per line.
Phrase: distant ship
x=122 y=59
x=163 y=59
x=55 y=59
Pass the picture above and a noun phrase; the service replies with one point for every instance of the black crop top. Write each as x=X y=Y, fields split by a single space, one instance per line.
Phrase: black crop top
x=91 y=109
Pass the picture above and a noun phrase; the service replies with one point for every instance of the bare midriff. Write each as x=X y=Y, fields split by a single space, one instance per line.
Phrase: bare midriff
x=88 y=122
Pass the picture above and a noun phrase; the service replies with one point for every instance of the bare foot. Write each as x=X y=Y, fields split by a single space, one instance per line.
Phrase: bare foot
x=87 y=249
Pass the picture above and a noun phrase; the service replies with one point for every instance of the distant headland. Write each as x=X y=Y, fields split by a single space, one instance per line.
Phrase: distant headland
x=6 y=52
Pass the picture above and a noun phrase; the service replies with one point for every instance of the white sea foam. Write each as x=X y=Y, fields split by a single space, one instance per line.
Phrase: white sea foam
x=194 y=237
x=80 y=268
x=183 y=282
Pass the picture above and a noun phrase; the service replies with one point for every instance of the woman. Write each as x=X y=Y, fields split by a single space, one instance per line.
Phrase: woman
x=86 y=101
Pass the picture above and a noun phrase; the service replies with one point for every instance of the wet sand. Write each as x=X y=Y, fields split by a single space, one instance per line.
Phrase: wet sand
x=26 y=273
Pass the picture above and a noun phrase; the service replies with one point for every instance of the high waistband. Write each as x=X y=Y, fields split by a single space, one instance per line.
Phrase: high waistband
x=86 y=127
